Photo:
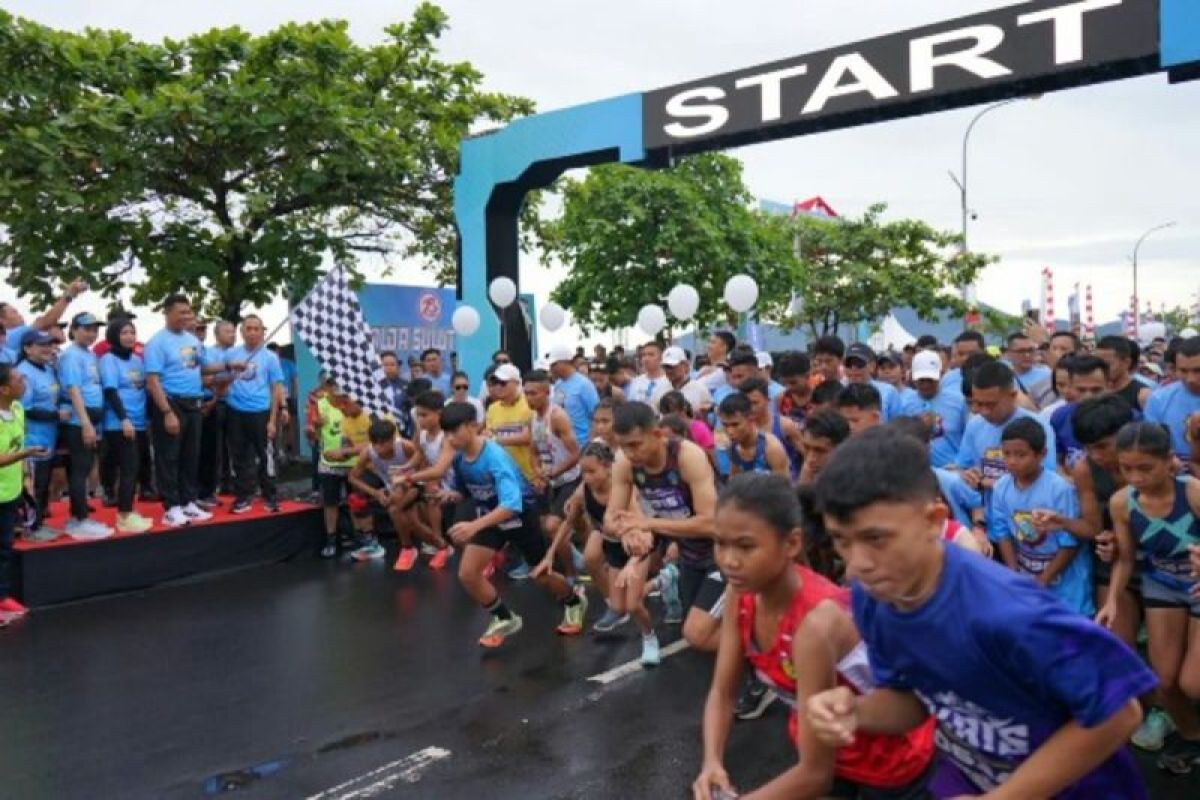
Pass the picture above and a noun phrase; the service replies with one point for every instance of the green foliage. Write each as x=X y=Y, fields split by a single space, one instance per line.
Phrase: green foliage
x=630 y=235
x=228 y=164
x=857 y=269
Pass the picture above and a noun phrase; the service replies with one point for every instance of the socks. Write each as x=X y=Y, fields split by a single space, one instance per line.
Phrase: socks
x=498 y=610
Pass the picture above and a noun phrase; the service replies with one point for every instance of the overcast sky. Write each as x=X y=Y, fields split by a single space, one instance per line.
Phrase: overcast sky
x=1068 y=181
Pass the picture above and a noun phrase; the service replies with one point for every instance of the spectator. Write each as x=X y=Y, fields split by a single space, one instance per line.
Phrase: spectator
x=943 y=410
x=1173 y=406
x=573 y=393
x=255 y=401
x=678 y=371
x=462 y=394
x=216 y=462
x=79 y=373
x=652 y=384
x=431 y=361
x=15 y=327
x=396 y=389
x=126 y=445
x=12 y=433
x=40 y=404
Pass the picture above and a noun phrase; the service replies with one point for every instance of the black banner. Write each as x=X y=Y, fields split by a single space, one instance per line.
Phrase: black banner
x=1030 y=47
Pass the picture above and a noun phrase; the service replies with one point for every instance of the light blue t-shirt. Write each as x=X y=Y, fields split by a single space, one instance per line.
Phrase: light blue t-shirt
x=578 y=397
x=1011 y=518
x=946 y=416
x=12 y=343
x=961 y=497
x=176 y=358
x=441 y=383
x=890 y=401
x=6 y=356
x=42 y=392
x=953 y=380
x=980 y=447
x=250 y=389
x=1171 y=405
x=1002 y=665
x=211 y=354
x=289 y=376
x=78 y=368
x=493 y=480
x=128 y=377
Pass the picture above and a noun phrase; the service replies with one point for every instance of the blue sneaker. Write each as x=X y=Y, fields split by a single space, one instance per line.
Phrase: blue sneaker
x=519 y=573
x=650 y=654
x=668 y=584
x=610 y=621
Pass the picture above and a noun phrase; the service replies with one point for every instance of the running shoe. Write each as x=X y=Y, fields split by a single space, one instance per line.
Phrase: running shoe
x=1152 y=734
x=408 y=557
x=519 y=573
x=330 y=550
x=440 y=557
x=42 y=534
x=500 y=629
x=9 y=605
x=370 y=551
x=651 y=657
x=1180 y=755
x=572 y=624
x=668 y=582
x=196 y=513
x=133 y=522
x=241 y=507
x=428 y=550
x=755 y=699
x=609 y=621
x=176 y=518
x=87 y=530
x=272 y=506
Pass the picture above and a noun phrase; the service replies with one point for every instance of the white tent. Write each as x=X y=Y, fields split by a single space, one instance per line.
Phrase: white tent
x=890 y=336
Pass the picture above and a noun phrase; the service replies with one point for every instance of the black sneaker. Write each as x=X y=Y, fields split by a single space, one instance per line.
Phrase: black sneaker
x=330 y=550
x=208 y=503
x=241 y=507
x=1179 y=755
x=754 y=700
x=272 y=506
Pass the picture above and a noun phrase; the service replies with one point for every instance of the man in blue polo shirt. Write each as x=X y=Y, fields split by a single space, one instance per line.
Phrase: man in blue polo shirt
x=255 y=399
x=943 y=410
x=1174 y=404
x=859 y=366
x=573 y=393
x=40 y=401
x=82 y=404
x=174 y=363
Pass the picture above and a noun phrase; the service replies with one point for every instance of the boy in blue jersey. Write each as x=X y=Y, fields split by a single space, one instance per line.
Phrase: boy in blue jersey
x=1035 y=520
x=506 y=513
x=1031 y=699
x=83 y=400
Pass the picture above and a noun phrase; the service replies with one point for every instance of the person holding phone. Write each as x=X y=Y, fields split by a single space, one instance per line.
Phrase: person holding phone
x=12 y=452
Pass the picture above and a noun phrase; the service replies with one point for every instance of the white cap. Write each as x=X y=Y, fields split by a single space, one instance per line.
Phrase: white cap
x=507 y=372
x=560 y=352
x=926 y=365
x=1187 y=333
x=764 y=359
x=673 y=357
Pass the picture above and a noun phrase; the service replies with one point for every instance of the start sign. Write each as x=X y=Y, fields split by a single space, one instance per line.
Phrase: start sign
x=1040 y=44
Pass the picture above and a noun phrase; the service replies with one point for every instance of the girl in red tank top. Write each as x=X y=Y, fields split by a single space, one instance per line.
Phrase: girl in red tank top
x=794 y=628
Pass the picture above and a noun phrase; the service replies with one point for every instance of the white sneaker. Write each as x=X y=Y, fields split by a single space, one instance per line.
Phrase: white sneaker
x=98 y=529
x=176 y=518
x=196 y=513
x=86 y=530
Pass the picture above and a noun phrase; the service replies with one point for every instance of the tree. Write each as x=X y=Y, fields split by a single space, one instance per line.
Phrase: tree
x=858 y=269
x=228 y=164
x=629 y=236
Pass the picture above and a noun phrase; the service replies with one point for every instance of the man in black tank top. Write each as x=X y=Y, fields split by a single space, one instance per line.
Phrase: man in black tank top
x=679 y=495
x=1117 y=352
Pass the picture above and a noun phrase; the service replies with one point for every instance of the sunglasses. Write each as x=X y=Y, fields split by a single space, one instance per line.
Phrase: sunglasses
x=462 y=387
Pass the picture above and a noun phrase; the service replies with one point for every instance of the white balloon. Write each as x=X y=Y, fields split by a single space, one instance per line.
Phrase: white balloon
x=502 y=292
x=651 y=319
x=684 y=302
x=465 y=320
x=552 y=316
x=741 y=293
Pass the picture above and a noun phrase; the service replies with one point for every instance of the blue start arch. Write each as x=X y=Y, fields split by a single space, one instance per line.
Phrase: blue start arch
x=1032 y=47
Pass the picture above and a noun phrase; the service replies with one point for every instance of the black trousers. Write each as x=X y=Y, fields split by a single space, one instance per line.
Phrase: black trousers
x=176 y=458
x=79 y=467
x=110 y=465
x=121 y=466
x=253 y=461
x=8 y=524
x=216 y=457
x=41 y=488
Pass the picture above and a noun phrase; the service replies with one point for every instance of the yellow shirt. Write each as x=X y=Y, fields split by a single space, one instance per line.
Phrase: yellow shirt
x=509 y=420
x=355 y=428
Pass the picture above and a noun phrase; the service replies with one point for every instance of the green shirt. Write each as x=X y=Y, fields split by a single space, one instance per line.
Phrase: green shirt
x=12 y=440
x=331 y=435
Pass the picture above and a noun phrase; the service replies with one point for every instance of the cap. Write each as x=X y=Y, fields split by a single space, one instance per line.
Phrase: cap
x=673 y=357
x=926 y=365
x=860 y=351
x=36 y=337
x=1187 y=333
x=764 y=359
x=85 y=320
x=560 y=352
x=507 y=372
x=889 y=356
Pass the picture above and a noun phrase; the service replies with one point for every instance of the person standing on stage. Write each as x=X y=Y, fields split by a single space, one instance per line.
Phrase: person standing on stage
x=174 y=363
x=123 y=379
x=83 y=401
x=216 y=473
x=431 y=360
x=40 y=402
x=255 y=399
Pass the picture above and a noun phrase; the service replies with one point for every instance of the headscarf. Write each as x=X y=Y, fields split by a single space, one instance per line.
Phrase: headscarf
x=113 y=335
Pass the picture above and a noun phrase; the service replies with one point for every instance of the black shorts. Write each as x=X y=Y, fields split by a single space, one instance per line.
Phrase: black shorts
x=526 y=537
x=554 y=501
x=915 y=790
x=615 y=555
x=1102 y=576
x=333 y=487
x=701 y=587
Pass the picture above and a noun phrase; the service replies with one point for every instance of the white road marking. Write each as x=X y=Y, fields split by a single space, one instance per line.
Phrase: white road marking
x=381 y=779
x=630 y=667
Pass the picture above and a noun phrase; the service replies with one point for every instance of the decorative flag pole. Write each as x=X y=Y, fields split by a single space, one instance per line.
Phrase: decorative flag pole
x=1048 y=298
x=1089 y=325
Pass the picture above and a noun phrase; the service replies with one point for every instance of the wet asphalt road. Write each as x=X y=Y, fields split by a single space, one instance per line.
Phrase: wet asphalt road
x=292 y=680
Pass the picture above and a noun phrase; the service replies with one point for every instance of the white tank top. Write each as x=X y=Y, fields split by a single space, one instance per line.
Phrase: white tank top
x=432 y=450
x=550 y=450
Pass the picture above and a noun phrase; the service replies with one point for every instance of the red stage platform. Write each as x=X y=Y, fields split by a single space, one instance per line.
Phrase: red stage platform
x=67 y=569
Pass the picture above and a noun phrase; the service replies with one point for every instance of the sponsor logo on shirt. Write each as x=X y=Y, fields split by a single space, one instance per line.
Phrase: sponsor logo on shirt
x=985 y=747
x=187 y=356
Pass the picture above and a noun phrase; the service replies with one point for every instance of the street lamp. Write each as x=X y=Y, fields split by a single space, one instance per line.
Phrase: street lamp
x=968 y=291
x=1137 y=309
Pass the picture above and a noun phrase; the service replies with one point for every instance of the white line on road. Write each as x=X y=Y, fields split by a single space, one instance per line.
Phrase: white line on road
x=381 y=779
x=630 y=667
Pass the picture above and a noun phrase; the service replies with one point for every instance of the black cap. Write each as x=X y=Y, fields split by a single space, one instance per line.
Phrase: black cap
x=889 y=357
x=860 y=351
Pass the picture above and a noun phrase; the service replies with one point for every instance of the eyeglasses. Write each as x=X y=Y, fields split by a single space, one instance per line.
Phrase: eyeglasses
x=462 y=387
x=502 y=361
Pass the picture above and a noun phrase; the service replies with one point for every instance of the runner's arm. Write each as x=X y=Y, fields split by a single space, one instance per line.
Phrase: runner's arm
x=1122 y=565
x=777 y=458
x=561 y=426
x=621 y=493
x=1090 y=513
x=1060 y=562
x=722 y=692
x=890 y=712
x=354 y=478
x=569 y=523
x=695 y=471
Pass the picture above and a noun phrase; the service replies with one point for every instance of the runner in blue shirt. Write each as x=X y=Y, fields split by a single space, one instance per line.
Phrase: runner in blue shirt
x=859 y=364
x=40 y=401
x=943 y=411
x=1027 y=694
x=255 y=399
x=123 y=378
x=1174 y=403
x=573 y=393
x=83 y=403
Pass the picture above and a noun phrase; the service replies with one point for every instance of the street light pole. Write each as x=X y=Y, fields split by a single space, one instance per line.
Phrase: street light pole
x=1137 y=309
x=968 y=291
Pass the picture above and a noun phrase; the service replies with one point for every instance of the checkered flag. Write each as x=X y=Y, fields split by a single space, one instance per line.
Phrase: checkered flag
x=331 y=323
